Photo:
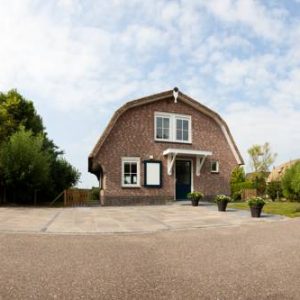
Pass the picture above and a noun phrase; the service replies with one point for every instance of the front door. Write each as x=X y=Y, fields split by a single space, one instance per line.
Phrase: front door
x=183 y=179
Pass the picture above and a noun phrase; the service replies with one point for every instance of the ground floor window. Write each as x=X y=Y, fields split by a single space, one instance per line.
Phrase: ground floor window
x=214 y=166
x=130 y=171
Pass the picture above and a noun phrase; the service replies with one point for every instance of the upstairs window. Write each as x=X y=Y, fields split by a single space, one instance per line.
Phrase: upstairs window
x=182 y=129
x=162 y=128
x=173 y=128
x=130 y=171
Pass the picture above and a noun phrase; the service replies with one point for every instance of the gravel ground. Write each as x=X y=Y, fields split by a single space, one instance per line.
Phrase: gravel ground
x=257 y=261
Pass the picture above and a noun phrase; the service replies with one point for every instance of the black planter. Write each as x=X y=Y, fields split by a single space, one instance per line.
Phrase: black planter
x=222 y=205
x=256 y=211
x=195 y=202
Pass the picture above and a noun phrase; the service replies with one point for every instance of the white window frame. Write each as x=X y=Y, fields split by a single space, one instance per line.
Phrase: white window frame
x=172 y=121
x=137 y=160
x=217 y=164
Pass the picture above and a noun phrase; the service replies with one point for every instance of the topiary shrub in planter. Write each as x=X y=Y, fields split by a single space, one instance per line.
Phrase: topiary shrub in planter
x=256 y=205
x=195 y=197
x=222 y=201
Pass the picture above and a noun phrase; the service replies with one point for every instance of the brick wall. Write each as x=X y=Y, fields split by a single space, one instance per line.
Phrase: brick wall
x=133 y=136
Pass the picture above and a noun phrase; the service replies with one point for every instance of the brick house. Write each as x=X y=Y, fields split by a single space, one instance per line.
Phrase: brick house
x=159 y=148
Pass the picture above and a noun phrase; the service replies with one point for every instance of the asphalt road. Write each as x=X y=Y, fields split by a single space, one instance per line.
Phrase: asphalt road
x=257 y=261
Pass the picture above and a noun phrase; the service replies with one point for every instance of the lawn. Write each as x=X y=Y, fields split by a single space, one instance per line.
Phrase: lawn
x=289 y=209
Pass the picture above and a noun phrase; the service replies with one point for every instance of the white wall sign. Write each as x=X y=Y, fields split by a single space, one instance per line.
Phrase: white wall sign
x=153 y=174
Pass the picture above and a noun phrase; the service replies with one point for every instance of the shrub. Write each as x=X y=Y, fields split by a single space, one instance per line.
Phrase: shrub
x=259 y=182
x=222 y=198
x=290 y=182
x=238 y=175
x=256 y=201
x=238 y=187
x=237 y=196
x=94 y=193
x=195 y=195
x=274 y=190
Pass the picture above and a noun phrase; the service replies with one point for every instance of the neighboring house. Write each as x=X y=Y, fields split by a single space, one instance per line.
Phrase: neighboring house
x=279 y=171
x=160 y=148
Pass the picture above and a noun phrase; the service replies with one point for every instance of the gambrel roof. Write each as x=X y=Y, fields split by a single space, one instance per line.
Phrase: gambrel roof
x=161 y=96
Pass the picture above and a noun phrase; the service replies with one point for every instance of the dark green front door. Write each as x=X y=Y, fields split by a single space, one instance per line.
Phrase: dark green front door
x=183 y=179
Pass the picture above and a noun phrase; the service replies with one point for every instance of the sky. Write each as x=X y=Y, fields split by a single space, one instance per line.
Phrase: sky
x=79 y=60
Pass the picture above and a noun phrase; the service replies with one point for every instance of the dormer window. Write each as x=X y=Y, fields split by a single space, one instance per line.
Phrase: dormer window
x=173 y=128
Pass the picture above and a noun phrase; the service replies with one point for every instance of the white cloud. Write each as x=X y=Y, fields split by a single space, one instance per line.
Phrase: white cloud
x=80 y=60
x=263 y=21
x=258 y=124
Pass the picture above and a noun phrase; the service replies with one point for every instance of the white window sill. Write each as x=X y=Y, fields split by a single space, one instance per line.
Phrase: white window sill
x=130 y=186
x=171 y=141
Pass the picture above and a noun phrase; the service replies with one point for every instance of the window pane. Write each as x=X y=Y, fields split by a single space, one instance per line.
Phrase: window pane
x=214 y=166
x=166 y=134
x=130 y=173
x=185 y=125
x=133 y=179
x=159 y=133
x=178 y=124
x=127 y=179
x=178 y=135
x=159 y=122
x=166 y=123
x=185 y=135
x=126 y=168
x=133 y=168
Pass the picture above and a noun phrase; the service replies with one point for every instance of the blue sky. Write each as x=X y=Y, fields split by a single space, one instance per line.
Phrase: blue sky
x=80 y=60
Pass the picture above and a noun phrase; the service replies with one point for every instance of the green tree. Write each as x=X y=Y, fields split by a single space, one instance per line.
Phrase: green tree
x=68 y=175
x=24 y=164
x=274 y=190
x=16 y=111
x=238 y=182
x=261 y=157
x=291 y=182
x=238 y=175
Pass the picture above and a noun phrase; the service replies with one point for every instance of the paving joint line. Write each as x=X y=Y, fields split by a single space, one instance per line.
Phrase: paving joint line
x=44 y=229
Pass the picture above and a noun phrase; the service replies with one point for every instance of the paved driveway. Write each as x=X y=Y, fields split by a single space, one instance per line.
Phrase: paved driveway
x=122 y=219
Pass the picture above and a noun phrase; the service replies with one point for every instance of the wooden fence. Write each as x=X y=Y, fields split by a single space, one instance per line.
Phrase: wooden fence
x=247 y=193
x=76 y=197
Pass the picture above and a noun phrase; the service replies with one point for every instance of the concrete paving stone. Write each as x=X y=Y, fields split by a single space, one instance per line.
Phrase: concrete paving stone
x=122 y=219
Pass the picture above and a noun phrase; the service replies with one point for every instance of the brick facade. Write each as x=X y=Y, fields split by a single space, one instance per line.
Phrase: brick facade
x=133 y=136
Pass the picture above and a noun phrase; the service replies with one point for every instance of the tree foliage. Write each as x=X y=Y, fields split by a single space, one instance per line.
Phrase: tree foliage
x=291 y=182
x=68 y=176
x=259 y=181
x=274 y=190
x=41 y=167
x=15 y=111
x=261 y=157
x=238 y=182
x=25 y=165
x=238 y=175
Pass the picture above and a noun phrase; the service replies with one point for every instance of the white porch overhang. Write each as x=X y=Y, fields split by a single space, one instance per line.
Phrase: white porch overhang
x=200 y=155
